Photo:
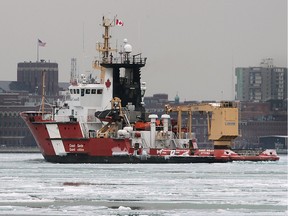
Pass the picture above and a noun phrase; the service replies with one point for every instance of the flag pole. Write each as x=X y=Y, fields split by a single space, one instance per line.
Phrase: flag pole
x=37 y=51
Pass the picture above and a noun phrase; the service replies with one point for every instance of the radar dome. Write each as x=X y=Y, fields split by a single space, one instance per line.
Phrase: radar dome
x=127 y=47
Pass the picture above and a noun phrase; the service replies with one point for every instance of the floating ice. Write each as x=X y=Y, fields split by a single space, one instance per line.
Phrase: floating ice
x=124 y=208
x=31 y=186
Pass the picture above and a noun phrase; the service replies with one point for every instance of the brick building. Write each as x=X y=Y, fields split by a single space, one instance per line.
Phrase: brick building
x=29 y=77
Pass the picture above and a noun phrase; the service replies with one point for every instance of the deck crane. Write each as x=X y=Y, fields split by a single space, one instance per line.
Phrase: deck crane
x=222 y=121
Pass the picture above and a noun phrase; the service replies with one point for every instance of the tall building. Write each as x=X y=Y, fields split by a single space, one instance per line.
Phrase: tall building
x=263 y=83
x=29 y=77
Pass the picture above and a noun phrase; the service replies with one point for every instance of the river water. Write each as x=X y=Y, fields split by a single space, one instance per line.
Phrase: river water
x=31 y=186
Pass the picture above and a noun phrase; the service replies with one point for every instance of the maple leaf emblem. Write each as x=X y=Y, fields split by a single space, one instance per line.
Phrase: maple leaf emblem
x=108 y=83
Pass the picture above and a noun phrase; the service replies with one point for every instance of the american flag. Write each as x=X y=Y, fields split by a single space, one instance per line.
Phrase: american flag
x=40 y=43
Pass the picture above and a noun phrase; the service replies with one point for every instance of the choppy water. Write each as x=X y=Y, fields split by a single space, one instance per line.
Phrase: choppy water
x=31 y=186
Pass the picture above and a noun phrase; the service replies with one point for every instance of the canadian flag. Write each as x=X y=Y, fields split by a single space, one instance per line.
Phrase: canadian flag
x=119 y=22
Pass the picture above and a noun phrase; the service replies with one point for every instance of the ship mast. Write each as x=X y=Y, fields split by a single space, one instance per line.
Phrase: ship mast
x=105 y=47
x=43 y=91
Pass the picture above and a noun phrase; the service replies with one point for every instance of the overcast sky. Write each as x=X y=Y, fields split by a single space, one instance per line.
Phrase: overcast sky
x=192 y=46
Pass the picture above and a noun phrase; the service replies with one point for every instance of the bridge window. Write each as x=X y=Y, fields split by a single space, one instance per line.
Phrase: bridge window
x=93 y=91
x=78 y=91
x=74 y=91
x=82 y=92
x=71 y=91
x=87 y=91
x=99 y=91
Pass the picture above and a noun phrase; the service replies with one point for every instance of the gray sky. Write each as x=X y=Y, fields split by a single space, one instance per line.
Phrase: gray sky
x=192 y=46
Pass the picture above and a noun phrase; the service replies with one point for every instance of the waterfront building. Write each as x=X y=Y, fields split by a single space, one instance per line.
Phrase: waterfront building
x=30 y=76
x=258 y=119
x=13 y=130
x=262 y=83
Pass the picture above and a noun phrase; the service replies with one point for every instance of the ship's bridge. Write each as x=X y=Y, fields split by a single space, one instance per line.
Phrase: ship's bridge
x=87 y=95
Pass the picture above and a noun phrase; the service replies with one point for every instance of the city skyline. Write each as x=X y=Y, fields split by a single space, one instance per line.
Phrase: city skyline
x=192 y=48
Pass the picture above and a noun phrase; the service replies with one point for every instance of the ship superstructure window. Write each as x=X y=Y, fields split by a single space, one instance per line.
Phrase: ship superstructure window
x=88 y=91
x=74 y=91
x=99 y=91
x=93 y=91
x=82 y=92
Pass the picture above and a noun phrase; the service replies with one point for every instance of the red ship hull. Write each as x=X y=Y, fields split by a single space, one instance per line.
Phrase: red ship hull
x=63 y=142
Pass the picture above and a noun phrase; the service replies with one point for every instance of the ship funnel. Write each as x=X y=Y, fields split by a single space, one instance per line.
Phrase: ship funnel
x=165 y=119
x=152 y=118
